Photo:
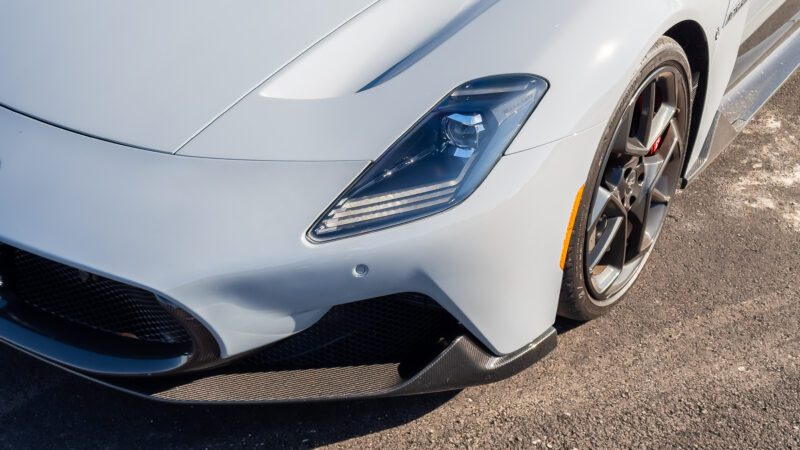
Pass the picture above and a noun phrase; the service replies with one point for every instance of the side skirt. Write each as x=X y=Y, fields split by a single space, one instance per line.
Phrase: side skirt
x=758 y=75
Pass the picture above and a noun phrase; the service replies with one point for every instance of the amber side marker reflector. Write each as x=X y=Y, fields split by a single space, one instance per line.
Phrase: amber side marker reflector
x=571 y=225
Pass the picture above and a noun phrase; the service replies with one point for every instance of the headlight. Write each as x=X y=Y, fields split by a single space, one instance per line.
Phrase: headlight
x=440 y=161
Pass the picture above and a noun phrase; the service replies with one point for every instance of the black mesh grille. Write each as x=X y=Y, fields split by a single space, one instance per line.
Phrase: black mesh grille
x=89 y=300
x=396 y=329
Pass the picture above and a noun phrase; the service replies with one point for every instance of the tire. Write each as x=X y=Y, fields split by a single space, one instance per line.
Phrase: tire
x=597 y=252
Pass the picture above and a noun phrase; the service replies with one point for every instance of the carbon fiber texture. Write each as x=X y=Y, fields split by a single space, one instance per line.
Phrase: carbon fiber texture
x=297 y=385
x=462 y=364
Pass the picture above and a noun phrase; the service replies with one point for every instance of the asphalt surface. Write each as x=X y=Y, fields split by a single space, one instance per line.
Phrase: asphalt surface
x=704 y=352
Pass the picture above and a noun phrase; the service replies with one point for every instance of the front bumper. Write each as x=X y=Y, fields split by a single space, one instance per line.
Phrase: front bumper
x=113 y=334
x=224 y=241
x=462 y=364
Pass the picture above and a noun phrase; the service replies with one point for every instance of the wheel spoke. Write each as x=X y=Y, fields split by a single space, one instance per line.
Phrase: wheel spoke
x=603 y=244
x=647 y=110
x=655 y=165
x=638 y=210
x=608 y=210
x=622 y=140
x=661 y=121
x=606 y=279
x=652 y=171
x=601 y=201
x=672 y=141
x=645 y=241
x=608 y=255
x=635 y=129
x=651 y=119
x=638 y=224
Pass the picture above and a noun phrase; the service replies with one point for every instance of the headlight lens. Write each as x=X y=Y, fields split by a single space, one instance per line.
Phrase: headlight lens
x=440 y=161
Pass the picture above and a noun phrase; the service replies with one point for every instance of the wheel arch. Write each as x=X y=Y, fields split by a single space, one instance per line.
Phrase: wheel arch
x=692 y=38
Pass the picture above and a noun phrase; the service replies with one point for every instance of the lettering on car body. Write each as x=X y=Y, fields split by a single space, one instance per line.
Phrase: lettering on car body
x=733 y=12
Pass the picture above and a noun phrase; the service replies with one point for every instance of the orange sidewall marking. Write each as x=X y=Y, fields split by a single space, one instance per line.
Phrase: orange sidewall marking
x=571 y=226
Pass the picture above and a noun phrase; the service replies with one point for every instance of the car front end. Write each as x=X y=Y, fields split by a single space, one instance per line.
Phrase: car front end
x=128 y=265
x=304 y=212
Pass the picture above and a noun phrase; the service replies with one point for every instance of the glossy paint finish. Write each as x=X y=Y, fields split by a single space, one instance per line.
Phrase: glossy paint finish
x=220 y=227
x=100 y=75
x=226 y=239
x=150 y=73
x=758 y=75
x=270 y=124
x=759 y=11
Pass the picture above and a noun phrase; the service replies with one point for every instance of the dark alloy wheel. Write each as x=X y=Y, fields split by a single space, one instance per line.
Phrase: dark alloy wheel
x=634 y=178
x=640 y=175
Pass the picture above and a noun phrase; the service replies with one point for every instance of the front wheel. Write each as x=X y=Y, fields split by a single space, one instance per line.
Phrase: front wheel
x=633 y=179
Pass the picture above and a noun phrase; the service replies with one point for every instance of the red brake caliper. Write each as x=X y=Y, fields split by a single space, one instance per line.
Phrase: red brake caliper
x=657 y=143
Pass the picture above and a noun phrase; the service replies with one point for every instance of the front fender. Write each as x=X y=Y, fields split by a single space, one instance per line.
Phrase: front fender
x=587 y=50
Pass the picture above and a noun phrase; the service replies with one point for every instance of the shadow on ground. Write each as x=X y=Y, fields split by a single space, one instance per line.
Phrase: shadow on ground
x=71 y=409
x=75 y=409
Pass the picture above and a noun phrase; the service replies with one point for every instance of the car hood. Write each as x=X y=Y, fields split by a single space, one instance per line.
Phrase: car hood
x=310 y=80
x=151 y=73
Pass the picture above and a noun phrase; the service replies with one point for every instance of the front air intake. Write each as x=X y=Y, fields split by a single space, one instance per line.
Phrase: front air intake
x=93 y=323
x=91 y=301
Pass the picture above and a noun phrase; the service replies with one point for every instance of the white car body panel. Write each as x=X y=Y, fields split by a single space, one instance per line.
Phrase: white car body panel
x=758 y=12
x=268 y=122
x=221 y=239
x=150 y=73
x=220 y=227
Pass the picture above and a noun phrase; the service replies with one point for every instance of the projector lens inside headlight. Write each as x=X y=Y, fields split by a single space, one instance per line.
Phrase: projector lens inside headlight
x=440 y=161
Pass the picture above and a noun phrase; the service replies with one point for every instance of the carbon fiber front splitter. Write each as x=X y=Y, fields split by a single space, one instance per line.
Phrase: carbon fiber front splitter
x=461 y=364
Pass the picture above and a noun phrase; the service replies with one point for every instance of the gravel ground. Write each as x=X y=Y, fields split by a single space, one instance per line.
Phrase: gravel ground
x=705 y=352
